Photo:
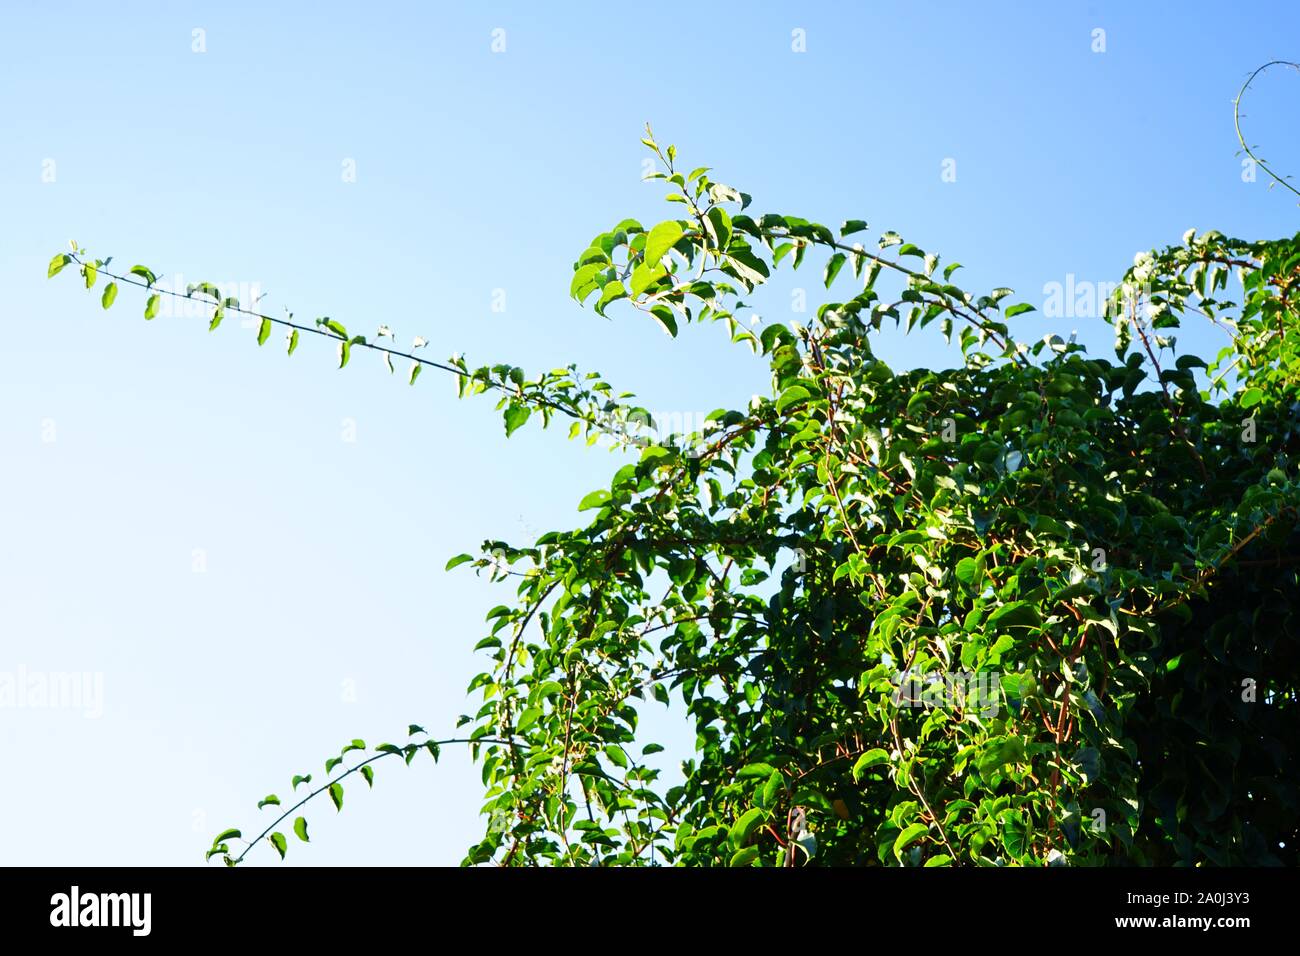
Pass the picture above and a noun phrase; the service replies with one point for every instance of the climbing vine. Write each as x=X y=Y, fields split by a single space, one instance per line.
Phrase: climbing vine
x=1036 y=608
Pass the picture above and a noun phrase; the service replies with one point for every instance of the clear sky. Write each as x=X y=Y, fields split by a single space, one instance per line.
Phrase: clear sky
x=247 y=550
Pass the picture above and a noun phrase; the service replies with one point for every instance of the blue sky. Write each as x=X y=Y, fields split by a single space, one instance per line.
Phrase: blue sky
x=322 y=505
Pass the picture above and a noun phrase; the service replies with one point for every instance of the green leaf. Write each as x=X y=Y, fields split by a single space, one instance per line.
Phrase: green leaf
x=300 y=829
x=415 y=372
x=772 y=789
x=751 y=268
x=515 y=417
x=661 y=238
x=528 y=718
x=1015 y=614
x=745 y=857
x=293 y=342
x=584 y=279
x=457 y=561
x=721 y=223
x=644 y=276
x=1251 y=397
x=594 y=255
x=870 y=759
x=721 y=192
x=966 y=570
x=144 y=273
x=1000 y=753
x=299 y=779
x=792 y=396
x=833 y=266
x=110 y=295
x=1088 y=760
x=225 y=835
x=908 y=837
x=336 y=795
x=369 y=773
x=280 y=843
x=264 y=332
x=597 y=499
x=91 y=272
x=270 y=800
x=613 y=291
x=667 y=321
x=1017 y=309
x=1015 y=832
x=57 y=264
x=151 y=307
x=851 y=226
x=746 y=825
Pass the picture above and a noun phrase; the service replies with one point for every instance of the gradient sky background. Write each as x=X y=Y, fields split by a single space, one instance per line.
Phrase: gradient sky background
x=476 y=171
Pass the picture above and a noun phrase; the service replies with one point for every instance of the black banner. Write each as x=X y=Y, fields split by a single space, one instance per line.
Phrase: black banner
x=333 y=905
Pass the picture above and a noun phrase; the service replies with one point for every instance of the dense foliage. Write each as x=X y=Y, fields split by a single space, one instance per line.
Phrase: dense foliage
x=1036 y=608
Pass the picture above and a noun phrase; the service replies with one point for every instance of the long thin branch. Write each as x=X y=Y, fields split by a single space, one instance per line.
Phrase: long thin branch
x=945 y=302
x=329 y=334
x=379 y=756
x=1236 y=121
